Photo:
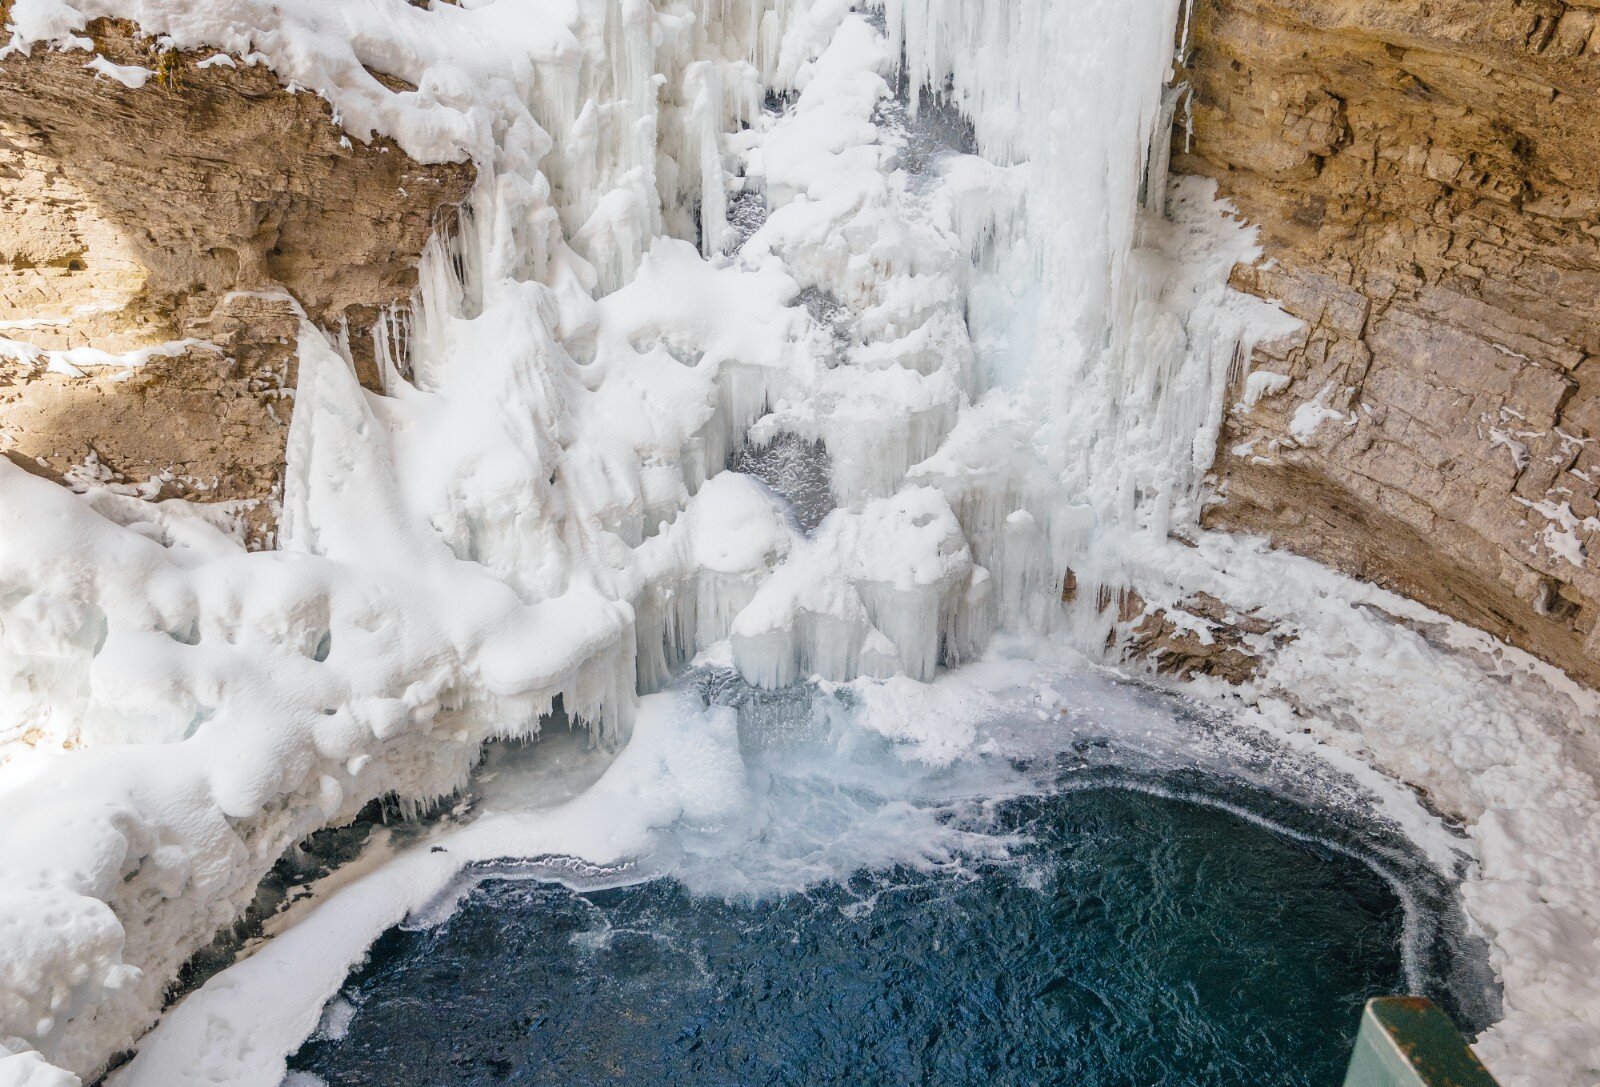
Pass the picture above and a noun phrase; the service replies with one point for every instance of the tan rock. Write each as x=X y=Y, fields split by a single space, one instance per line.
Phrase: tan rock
x=1426 y=174
x=193 y=207
x=1200 y=637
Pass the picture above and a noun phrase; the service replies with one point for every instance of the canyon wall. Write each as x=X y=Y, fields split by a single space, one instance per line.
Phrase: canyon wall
x=165 y=217
x=1426 y=177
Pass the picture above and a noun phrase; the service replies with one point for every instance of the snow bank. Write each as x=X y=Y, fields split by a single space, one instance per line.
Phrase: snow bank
x=1485 y=732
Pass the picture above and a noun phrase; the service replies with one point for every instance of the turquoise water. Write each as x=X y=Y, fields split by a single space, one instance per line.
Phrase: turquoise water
x=1124 y=936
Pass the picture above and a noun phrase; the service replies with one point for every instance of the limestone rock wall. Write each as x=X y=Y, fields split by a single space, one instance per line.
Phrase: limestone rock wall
x=200 y=205
x=1426 y=176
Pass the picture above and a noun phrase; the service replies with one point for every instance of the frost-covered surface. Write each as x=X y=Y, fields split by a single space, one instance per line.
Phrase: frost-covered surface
x=1014 y=363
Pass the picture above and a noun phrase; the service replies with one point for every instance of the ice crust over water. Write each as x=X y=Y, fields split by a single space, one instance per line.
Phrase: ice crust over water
x=1015 y=362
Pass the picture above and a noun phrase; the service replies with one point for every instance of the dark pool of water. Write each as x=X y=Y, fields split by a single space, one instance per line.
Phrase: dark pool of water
x=1130 y=939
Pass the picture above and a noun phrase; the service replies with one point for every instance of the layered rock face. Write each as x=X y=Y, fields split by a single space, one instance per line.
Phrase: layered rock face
x=185 y=208
x=1426 y=176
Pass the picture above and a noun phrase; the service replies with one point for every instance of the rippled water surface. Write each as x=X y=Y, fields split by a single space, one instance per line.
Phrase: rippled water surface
x=1125 y=937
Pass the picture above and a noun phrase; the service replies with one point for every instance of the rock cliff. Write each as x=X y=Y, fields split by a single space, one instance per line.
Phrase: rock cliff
x=1426 y=177
x=178 y=211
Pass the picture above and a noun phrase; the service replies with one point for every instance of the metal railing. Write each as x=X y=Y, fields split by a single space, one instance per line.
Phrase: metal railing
x=1408 y=1041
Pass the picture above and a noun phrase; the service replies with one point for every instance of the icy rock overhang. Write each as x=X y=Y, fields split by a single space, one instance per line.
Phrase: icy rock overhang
x=170 y=215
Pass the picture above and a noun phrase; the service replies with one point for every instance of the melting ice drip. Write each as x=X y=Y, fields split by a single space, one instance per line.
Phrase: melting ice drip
x=1005 y=360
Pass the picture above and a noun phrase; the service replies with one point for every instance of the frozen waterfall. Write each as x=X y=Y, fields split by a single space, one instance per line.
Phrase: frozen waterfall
x=998 y=354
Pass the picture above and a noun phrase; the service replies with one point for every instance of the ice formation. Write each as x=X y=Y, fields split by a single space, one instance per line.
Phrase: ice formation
x=1015 y=361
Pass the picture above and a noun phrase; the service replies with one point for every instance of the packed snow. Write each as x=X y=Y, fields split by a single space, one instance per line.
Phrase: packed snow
x=702 y=230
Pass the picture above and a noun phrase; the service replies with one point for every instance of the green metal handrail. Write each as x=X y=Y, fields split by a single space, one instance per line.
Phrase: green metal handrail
x=1407 y=1041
